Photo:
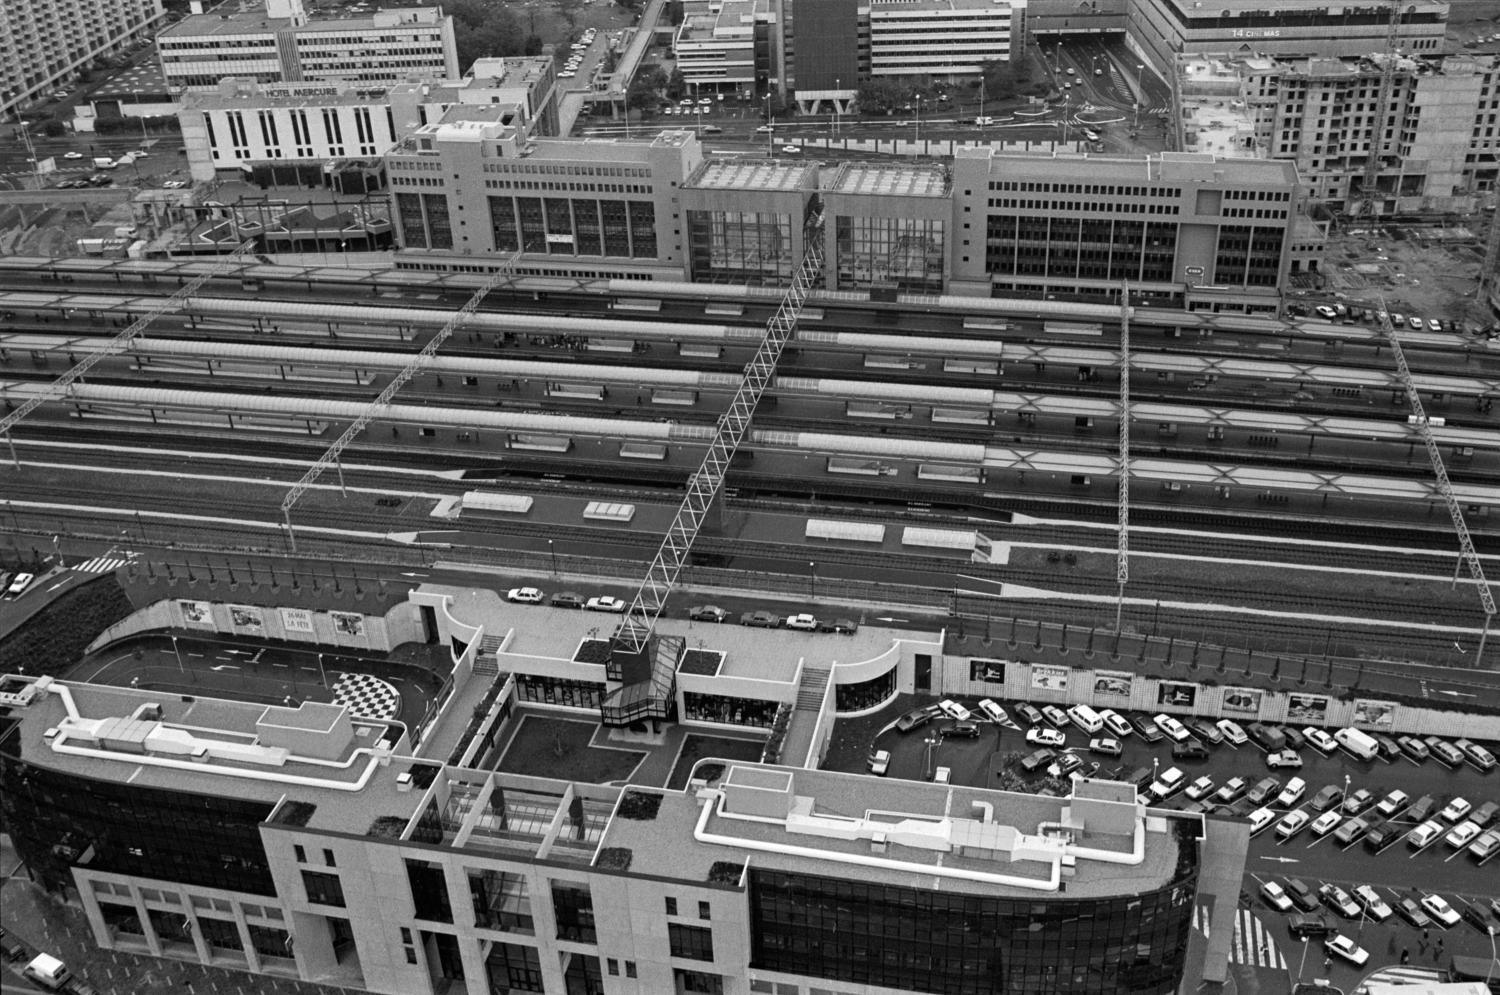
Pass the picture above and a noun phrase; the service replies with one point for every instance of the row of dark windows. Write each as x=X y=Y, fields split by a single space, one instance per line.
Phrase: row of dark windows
x=574 y=226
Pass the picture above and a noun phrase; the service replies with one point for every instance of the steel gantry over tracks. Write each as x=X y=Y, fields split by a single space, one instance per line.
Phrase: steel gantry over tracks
x=62 y=385
x=647 y=666
x=383 y=400
x=1467 y=553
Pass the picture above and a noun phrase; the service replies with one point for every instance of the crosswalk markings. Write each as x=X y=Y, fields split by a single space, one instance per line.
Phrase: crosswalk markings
x=105 y=564
x=1252 y=940
x=1404 y=975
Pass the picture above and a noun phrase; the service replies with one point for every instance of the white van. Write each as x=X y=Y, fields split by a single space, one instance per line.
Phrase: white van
x=1357 y=743
x=47 y=971
x=1086 y=719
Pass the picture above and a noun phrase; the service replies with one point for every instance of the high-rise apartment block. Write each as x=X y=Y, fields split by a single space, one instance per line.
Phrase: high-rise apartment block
x=45 y=43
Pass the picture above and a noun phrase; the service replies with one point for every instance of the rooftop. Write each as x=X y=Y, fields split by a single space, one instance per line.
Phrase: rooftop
x=751 y=174
x=888 y=180
x=234 y=92
x=250 y=17
x=314 y=753
x=1333 y=12
x=145 y=79
x=1169 y=166
x=969 y=840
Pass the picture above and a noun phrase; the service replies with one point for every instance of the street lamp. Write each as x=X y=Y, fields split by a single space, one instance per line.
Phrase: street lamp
x=837 y=87
x=812 y=577
x=1345 y=797
x=770 y=125
x=57 y=549
x=178 y=653
x=981 y=101
x=919 y=125
x=553 y=554
x=931 y=741
x=1494 y=956
x=1139 y=93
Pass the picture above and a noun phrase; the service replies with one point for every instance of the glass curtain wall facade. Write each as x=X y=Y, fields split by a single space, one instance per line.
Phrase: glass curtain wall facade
x=904 y=251
x=740 y=247
x=559 y=691
x=1079 y=248
x=729 y=709
x=865 y=694
x=865 y=932
x=58 y=819
x=574 y=226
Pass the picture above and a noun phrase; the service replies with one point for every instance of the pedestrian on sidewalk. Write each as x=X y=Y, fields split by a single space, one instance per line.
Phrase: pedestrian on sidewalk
x=1405 y=956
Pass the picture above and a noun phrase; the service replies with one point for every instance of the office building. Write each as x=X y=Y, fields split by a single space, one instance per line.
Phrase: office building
x=1164 y=29
x=745 y=220
x=723 y=47
x=591 y=207
x=947 y=40
x=1186 y=230
x=275 y=42
x=302 y=842
x=1440 y=148
x=45 y=44
x=887 y=226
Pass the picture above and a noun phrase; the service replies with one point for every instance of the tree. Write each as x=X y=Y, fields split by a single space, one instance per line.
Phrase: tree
x=569 y=10
x=676 y=85
x=484 y=28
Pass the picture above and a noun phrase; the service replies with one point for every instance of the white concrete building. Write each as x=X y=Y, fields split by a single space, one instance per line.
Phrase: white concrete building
x=44 y=43
x=715 y=43
x=945 y=39
x=276 y=43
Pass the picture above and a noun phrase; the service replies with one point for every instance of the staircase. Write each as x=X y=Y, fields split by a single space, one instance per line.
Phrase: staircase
x=485 y=662
x=654 y=696
x=810 y=691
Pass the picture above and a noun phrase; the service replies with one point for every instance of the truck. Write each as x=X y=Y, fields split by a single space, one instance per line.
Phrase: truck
x=1357 y=743
x=47 y=971
x=104 y=162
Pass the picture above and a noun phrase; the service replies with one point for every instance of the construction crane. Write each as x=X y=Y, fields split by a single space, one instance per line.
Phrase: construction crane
x=1122 y=561
x=1371 y=181
x=1467 y=554
x=331 y=457
x=646 y=689
x=59 y=388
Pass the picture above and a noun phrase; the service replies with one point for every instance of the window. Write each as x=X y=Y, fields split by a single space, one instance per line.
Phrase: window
x=614 y=966
x=692 y=942
x=323 y=889
x=573 y=907
x=703 y=911
x=630 y=969
x=328 y=858
x=671 y=906
x=300 y=853
x=512 y=967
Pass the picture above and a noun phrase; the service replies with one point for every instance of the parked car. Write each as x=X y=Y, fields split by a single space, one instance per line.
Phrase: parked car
x=914 y=719
x=1029 y=713
x=1461 y=835
x=1485 y=814
x=1392 y=803
x=1105 y=745
x=843 y=626
x=1327 y=798
x=1284 y=758
x=1147 y=729
x=1065 y=765
x=1231 y=731
x=761 y=620
x=1232 y=790
x=1325 y=823
x=1339 y=901
x=1320 y=740
x=1171 y=727
x=1372 y=903
x=1413 y=747
x=1268 y=738
x=524 y=595
x=18 y=585
x=1359 y=801
x=1115 y=723
x=566 y=599
x=802 y=622
x=1389 y=748
x=707 y=613
x=961 y=730
x=1409 y=910
x=1260 y=819
x=879 y=762
x=1341 y=946
x=1455 y=810
x=1292 y=793
x=1438 y=908
x=992 y=711
x=954 y=710
x=1422 y=836
x=1171 y=781
x=1042 y=736
x=1201 y=788
x=1291 y=824
x=605 y=603
x=1351 y=830
x=1205 y=730
x=1189 y=751
x=1421 y=809
x=1056 y=716
x=1036 y=760
x=1275 y=896
x=1264 y=789
x=1381 y=835
x=1485 y=846
x=1301 y=895
x=1444 y=751
x=1476 y=755
x=1294 y=739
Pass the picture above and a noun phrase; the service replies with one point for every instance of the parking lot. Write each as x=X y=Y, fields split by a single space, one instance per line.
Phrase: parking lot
x=1396 y=872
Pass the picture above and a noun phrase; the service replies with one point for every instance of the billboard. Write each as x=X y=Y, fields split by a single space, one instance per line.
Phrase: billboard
x=245 y=617
x=1381 y=714
x=988 y=671
x=348 y=623
x=198 y=613
x=296 y=620
x=1172 y=693
x=1244 y=700
x=1306 y=707
x=1049 y=678
x=1115 y=682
